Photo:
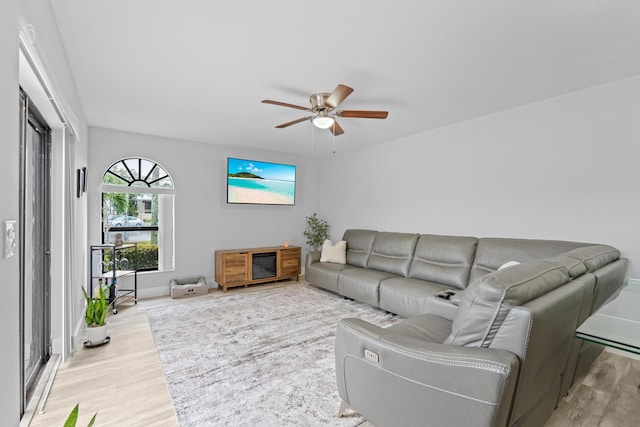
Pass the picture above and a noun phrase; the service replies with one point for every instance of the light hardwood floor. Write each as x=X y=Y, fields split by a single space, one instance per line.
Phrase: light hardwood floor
x=123 y=381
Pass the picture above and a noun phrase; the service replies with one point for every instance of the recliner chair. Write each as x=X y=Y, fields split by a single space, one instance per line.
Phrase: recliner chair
x=499 y=361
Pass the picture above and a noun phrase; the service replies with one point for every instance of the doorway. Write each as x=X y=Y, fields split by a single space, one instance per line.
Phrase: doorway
x=34 y=246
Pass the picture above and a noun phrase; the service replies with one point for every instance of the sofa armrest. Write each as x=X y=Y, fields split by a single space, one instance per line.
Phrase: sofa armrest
x=445 y=308
x=387 y=376
x=312 y=257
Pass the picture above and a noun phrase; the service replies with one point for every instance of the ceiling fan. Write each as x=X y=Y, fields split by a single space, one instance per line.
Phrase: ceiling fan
x=324 y=105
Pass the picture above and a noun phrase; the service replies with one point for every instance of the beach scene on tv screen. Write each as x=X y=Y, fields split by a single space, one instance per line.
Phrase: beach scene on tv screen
x=250 y=181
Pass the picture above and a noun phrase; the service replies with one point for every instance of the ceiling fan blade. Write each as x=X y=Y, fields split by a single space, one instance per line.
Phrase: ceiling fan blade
x=338 y=95
x=284 y=104
x=362 y=114
x=335 y=129
x=284 y=125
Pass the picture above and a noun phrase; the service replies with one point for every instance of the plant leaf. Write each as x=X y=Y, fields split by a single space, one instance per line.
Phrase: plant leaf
x=73 y=417
x=93 y=420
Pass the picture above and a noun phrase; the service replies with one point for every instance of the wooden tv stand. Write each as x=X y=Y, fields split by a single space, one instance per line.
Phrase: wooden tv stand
x=244 y=267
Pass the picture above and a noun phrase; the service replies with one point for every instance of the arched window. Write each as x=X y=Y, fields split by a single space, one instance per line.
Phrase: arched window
x=138 y=206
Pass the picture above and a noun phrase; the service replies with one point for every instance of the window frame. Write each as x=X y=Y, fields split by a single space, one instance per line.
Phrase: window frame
x=166 y=231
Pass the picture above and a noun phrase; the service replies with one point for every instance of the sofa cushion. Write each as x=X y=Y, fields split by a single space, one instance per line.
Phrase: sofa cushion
x=574 y=266
x=361 y=284
x=492 y=252
x=359 y=244
x=392 y=252
x=594 y=256
x=324 y=274
x=443 y=259
x=407 y=297
x=334 y=253
x=488 y=299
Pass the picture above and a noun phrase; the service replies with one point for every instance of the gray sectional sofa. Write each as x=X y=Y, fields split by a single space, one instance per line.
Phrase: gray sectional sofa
x=480 y=345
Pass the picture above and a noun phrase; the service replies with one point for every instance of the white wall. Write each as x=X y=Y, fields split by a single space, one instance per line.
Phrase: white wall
x=52 y=58
x=38 y=13
x=204 y=222
x=9 y=359
x=566 y=168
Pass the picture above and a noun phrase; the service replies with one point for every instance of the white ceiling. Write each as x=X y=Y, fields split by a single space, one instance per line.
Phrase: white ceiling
x=198 y=69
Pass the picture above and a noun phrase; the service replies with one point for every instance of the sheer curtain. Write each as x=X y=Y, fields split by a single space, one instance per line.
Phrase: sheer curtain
x=70 y=194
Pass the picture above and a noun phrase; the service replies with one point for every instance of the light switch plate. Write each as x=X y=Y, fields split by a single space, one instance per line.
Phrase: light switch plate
x=10 y=233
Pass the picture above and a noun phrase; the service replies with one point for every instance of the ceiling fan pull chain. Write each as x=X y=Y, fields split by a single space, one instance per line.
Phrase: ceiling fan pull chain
x=333 y=146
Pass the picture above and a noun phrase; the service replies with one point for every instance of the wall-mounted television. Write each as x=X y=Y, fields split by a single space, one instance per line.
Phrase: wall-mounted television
x=260 y=183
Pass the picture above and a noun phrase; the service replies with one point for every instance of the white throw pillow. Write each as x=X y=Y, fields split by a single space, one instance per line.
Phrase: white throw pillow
x=508 y=264
x=334 y=253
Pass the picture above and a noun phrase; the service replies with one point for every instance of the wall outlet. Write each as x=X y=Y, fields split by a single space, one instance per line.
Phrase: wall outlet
x=10 y=233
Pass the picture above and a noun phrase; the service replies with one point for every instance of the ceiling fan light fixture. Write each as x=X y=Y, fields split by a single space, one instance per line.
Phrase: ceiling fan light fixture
x=324 y=105
x=323 y=120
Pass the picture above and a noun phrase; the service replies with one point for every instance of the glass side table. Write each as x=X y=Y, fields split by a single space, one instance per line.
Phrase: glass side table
x=617 y=323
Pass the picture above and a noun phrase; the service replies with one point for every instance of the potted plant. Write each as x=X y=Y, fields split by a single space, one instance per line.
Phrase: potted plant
x=95 y=316
x=317 y=231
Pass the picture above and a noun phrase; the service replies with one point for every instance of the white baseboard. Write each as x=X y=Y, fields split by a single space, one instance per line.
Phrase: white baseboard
x=158 y=291
x=78 y=335
x=633 y=282
x=164 y=291
x=77 y=338
x=56 y=346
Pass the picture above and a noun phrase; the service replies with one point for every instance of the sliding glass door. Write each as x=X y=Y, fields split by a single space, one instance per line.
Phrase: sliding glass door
x=34 y=246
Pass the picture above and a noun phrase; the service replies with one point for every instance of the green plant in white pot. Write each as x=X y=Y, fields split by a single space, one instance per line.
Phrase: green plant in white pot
x=95 y=316
x=317 y=231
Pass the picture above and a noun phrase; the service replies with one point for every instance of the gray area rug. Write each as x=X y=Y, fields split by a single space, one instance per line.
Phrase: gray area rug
x=263 y=358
